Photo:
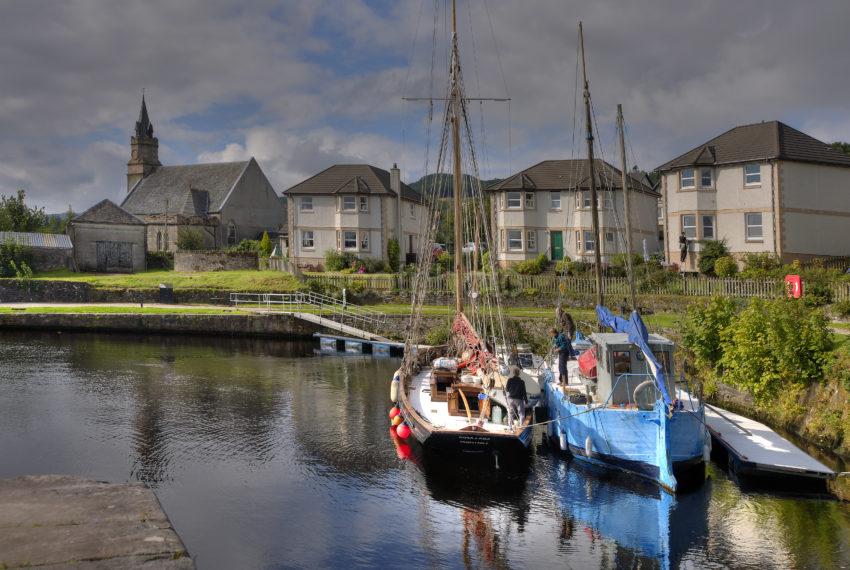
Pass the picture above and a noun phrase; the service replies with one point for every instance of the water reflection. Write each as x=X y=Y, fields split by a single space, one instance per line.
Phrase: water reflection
x=265 y=455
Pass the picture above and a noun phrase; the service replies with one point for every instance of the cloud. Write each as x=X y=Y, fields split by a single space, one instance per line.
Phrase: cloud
x=302 y=84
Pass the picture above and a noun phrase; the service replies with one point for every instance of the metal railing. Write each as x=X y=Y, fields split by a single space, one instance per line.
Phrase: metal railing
x=314 y=303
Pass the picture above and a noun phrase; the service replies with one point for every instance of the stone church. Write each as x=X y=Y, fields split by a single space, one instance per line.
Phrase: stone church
x=223 y=202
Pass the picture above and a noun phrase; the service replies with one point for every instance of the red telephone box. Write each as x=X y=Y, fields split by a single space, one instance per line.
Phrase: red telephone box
x=794 y=286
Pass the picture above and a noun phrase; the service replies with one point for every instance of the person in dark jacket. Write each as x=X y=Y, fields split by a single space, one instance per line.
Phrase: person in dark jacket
x=562 y=346
x=517 y=397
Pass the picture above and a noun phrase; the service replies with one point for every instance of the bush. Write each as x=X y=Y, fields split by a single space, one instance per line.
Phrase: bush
x=189 y=239
x=393 y=253
x=562 y=266
x=446 y=262
x=772 y=344
x=485 y=261
x=12 y=256
x=246 y=246
x=712 y=250
x=816 y=294
x=725 y=266
x=658 y=279
x=374 y=265
x=579 y=267
x=620 y=259
x=437 y=336
x=338 y=260
x=159 y=260
x=761 y=265
x=265 y=245
x=841 y=309
x=702 y=327
x=534 y=266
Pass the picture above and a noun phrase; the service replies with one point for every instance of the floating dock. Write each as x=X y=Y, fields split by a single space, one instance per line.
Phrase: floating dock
x=62 y=521
x=756 y=450
x=333 y=344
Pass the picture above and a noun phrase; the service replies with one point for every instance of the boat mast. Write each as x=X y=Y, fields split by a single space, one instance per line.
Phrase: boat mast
x=458 y=182
x=621 y=127
x=594 y=206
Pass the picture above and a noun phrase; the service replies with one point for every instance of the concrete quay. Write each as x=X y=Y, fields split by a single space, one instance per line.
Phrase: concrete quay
x=58 y=521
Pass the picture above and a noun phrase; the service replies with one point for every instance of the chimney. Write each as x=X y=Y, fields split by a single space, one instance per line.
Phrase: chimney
x=395 y=179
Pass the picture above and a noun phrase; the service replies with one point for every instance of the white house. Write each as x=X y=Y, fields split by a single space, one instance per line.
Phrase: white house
x=546 y=208
x=764 y=187
x=355 y=208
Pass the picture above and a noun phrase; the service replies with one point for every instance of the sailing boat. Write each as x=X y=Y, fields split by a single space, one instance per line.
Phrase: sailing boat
x=452 y=398
x=620 y=407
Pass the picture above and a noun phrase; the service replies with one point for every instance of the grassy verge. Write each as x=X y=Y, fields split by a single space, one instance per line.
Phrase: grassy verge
x=249 y=280
x=105 y=309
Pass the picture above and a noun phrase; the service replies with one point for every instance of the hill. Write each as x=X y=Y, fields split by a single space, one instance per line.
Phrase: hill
x=447 y=181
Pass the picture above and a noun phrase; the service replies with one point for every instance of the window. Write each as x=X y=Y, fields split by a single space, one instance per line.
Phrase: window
x=686 y=178
x=514 y=201
x=752 y=174
x=364 y=203
x=159 y=241
x=754 y=227
x=555 y=200
x=622 y=362
x=307 y=239
x=531 y=240
x=306 y=203
x=585 y=199
x=604 y=199
x=514 y=240
x=609 y=237
x=364 y=241
x=689 y=225
x=349 y=204
x=705 y=178
x=529 y=200
x=589 y=242
x=349 y=240
x=578 y=240
x=412 y=210
x=231 y=234
x=708 y=227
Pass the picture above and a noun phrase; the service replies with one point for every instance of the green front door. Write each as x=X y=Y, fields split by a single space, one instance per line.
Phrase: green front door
x=556 y=245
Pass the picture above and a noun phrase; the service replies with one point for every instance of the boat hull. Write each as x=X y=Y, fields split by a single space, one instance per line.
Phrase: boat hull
x=648 y=443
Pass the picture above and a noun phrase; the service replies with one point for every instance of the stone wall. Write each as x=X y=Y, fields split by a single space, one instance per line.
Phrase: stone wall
x=48 y=259
x=190 y=261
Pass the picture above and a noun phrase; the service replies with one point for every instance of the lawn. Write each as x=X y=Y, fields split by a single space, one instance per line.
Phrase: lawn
x=123 y=310
x=243 y=281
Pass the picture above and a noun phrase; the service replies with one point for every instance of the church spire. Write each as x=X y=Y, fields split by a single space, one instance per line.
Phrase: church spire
x=144 y=148
x=144 y=128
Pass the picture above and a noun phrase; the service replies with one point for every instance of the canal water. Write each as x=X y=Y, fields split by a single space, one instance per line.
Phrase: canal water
x=266 y=455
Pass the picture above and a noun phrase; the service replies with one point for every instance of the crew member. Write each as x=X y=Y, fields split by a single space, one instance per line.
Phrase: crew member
x=517 y=397
x=562 y=346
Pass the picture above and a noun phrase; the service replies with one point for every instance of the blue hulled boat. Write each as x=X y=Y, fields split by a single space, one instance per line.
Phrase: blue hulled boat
x=620 y=408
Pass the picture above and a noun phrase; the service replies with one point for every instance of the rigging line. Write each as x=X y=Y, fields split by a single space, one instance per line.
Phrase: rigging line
x=474 y=50
x=496 y=47
x=413 y=47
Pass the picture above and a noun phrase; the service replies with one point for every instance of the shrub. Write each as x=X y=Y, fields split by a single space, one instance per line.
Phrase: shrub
x=702 y=328
x=761 y=265
x=189 y=239
x=841 y=309
x=437 y=335
x=772 y=344
x=579 y=267
x=246 y=246
x=725 y=266
x=562 y=266
x=393 y=252
x=816 y=294
x=711 y=251
x=159 y=260
x=485 y=261
x=534 y=266
x=12 y=255
x=658 y=279
x=620 y=259
x=338 y=260
x=446 y=262
x=374 y=265
x=265 y=245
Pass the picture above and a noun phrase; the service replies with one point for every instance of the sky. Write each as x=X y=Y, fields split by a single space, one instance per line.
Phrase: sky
x=301 y=85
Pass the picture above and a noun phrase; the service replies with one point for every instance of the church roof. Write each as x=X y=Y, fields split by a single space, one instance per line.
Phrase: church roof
x=107 y=212
x=568 y=175
x=352 y=179
x=757 y=142
x=191 y=188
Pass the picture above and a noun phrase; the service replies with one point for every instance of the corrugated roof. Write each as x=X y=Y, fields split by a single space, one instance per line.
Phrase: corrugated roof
x=34 y=239
x=107 y=212
x=568 y=175
x=760 y=141
x=352 y=179
x=174 y=184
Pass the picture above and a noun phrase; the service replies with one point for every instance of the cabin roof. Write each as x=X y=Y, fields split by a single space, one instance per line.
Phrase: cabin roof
x=610 y=339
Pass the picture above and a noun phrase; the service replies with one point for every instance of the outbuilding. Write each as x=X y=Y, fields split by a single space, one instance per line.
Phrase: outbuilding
x=45 y=251
x=108 y=239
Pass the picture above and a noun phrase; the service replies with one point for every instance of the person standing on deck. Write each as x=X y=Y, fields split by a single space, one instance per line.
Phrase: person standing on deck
x=562 y=346
x=517 y=397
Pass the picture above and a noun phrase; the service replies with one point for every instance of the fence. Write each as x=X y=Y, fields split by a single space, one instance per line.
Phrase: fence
x=582 y=285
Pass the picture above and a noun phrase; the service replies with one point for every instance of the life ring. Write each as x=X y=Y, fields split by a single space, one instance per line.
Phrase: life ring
x=639 y=388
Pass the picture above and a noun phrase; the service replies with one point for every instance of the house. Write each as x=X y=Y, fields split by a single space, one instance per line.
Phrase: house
x=222 y=202
x=46 y=252
x=108 y=239
x=764 y=187
x=546 y=208
x=354 y=208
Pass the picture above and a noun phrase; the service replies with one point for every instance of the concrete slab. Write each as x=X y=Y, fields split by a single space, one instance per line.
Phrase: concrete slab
x=57 y=520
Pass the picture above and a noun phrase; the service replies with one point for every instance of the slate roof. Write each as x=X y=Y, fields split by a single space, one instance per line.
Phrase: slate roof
x=352 y=179
x=108 y=212
x=760 y=141
x=176 y=183
x=34 y=239
x=568 y=175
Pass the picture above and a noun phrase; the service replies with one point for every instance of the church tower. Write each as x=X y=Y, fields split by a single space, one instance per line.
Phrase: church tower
x=144 y=149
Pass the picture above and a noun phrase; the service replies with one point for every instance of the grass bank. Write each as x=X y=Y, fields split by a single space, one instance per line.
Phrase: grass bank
x=121 y=310
x=248 y=280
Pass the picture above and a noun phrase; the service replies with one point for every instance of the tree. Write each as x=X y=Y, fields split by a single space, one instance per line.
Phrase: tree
x=16 y=216
x=266 y=245
x=841 y=147
x=712 y=250
x=393 y=252
x=189 y=239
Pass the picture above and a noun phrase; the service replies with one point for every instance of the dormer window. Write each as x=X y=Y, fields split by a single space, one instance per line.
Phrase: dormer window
x=687 y=178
